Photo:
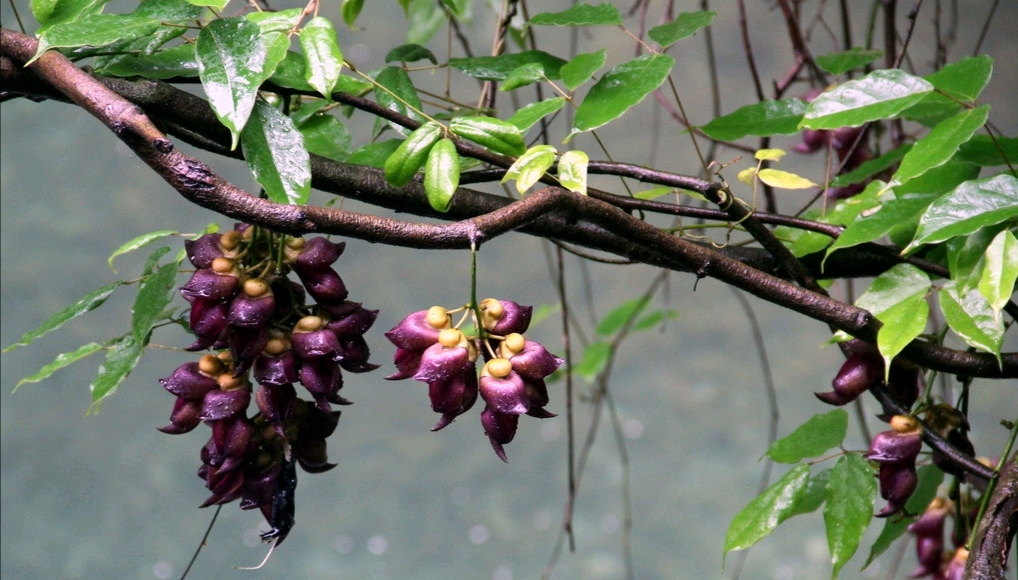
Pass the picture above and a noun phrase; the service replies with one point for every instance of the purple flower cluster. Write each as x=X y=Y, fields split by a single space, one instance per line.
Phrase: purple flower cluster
x=929 y=539
x=895 y=451
x=864 y=368
x=429 y=349
x=244 y=306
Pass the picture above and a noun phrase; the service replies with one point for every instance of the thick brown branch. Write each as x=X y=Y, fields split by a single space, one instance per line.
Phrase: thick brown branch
x=996 y=531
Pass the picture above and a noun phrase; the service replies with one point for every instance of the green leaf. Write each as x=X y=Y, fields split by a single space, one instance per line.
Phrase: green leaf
x=891 y=213
x=619 y=89
x=95 y=30
x=901 y=324
x=615 y=320
x=120 y=361
x=760 y=119
x=972 y=319
x=881 y=94
x=497 y=68
x=152 y=262
x=397 y=93
x=177 y=61
x=812 y=438
x=523 y=76
x=410 y=53
x=595 y=358
x=968 y=207
x=931 y=109
x=403 y=164
x=86 y=303
x=530 y=167
x=291 y=71
x=783 y=179
x=767 y=510
x=216 y=4
x=582 y=67
x=442 y=174
x=871 y=167
x=460 y=9
x=940 y=145
x=930 y=478
x=892 y=287
x=965 y=79
x=686 y=24
x=997 y=281
x=374 y=154
x=325 y=135
x=843 y=213
x=424 y=18
x=526 y=117
x=654 y=192
x=154 y=294
x=838 y=63
x=50 y=13
x=851 y=491
x=350 y=10
x=572 y=171
x=275 y=152
x=322 y=53
x=579 y=14
x=816 y=494
x=499 y=136
x=231 y=62
x=966 y=256
x=984 y=151
x=138 y=242
x=652 y=319
x=280 y=21
x=62 y=360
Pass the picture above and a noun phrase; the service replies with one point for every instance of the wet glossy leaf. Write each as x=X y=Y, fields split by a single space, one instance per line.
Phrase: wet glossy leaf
x=397 y=93
x=530 y=167
x=325 y=135
x=120 y=361
x=86 y=303
x=843 y=213
x=972 y=319
x=838 y=63
x=760 y=119
x=497 y=68
x=231 y=62
x=177 y=61
x=989 y=152
x=870 y=168
x=526 y=117
x=424 y=18
x=902 y=323
x=931 y=109
x=965 y=79
x=930 y=478
x=62 y=360
x=523 y=76
x=579 y=14
x=881 y=94
x=499 y=136
x=784 y=179
x=767 y=510
x=816 y=493
x=50 y=13
x=278 y=21
x=374 y=154
x=619 y=89
x=970 y=206
x=350 y=10
x=851 y=491
x=275 y=152
x=966 y=256
x=595 y=358
x=686 y=24
x=582 y=67
x=893 y=212
x=893 y=286
x=940 y=144
x=138 y=242
x=322 y=54
x=410 y=156
x=811 y=439
x=997 y=281
x=410 y=53
x=154 y=294
x=217 y=4
x=96 y=30
x=442 y=174
x=572 y=171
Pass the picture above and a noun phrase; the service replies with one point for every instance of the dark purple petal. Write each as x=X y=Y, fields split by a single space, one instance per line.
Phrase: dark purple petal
x=318 y=254
x=324 y=286
x=220 y=404
x=250 y=312
x=897 y=482
x=507 y=395
x=208 y=322
x=355 y=356
x=537 y=392
x=441 y=364
x=245 y=346
x=259 y=488
x=891 y=447
x=500 y=429
x=204 y=250
x=276 y=403
x=407 y=363
x=314 y=344
x=188 y=382
x=413 y=332
x=513 y=318
x=207 y=283
x=276 y=370
x=320 y=376
x=317 y=424
x=454 y=397
x=184 y=417
x=535 y=362
x=833 y=398
x=352 y=324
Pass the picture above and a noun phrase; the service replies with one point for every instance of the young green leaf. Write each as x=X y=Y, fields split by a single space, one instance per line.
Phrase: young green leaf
x=686 y=24
x=987 y=151
x=214 y=4
x=51 y=13
x=397 y=93
x=530 y=167
x=879 y=95
x=966 y=256
x=760 y=119
x=818 y=434
x=619 y=89
x=968 y=207
x=231 y=63
x=851 y=492
x=997 y=281
x=279 y=21
x=892 y=287
x=497 y=68
x=526 y=117
x=95 y=30
x=325 y=135
x=940 y=145
x=902 y=322
x=120 y=361
x=654 y=192
x=783 y=179
x=582 y=67
x=816 y=493
x=442 y=174
x=138 y=242
x=322 y=53
x=572 y=171
x=930 y=478
x=374 y=154
x=177 y=61
x=523 y=76
x=424 y=18
x=619 y=316
x=580 y=14
x=499 y=136
x=838 y=63
x=86 y=303
x=154 y=294
x=972 y=319
x=871 y=167
x=275 y=152
x=62 y=360
x=350 y=10
x=965 y=79
x=595 y=358
x=403 y=164
x=410 y=53
x=893 y=212
x=767 y=510
x=843 y=213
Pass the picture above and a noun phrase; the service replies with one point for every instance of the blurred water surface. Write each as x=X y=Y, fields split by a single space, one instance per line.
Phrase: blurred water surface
x=108 y=496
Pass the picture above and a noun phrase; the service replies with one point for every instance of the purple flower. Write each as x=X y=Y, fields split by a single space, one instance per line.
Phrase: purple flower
x=502 y=388
x=445 y=359
x=204 y=250
x=502 y=317
x=896 y=451
x=453 y=397
x=419 y=330
x=500 y=429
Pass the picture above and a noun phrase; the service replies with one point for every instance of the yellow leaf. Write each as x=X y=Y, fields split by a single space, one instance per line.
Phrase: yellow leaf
x=784 y=179
x=769 y=154
x=747 y=175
